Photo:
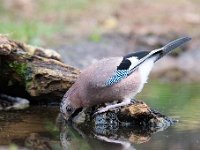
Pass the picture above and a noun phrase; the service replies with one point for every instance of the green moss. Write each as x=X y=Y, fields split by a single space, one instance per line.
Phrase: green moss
x=20 y=68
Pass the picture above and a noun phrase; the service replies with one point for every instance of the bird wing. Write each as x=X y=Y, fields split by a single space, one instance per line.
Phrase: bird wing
x=118 y=76
x=132 y=61
x=128 y=65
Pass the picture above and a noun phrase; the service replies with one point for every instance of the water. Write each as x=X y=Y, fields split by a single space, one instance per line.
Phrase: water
x=39 y=127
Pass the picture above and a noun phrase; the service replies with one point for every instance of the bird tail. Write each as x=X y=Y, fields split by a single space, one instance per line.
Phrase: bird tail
x=159 y=53
x=172 y=45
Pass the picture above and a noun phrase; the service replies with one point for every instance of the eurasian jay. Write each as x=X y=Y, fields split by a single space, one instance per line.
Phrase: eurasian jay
x=113 y=79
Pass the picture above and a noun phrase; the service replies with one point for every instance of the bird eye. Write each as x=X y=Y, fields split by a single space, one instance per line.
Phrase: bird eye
x=69 y=109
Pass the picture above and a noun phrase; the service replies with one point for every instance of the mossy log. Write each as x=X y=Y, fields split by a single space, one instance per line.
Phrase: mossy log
x=33 y=72
x=137 y=115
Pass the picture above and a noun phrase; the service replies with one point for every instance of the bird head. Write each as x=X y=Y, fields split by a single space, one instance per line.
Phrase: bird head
x=67 y=108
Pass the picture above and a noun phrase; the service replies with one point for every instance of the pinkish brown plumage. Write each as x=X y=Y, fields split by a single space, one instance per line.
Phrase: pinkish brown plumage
x=113 y=79
x=88 y=91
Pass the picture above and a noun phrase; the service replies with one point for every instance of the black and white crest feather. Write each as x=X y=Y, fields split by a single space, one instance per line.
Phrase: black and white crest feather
x=139 y=54
x=126 y=63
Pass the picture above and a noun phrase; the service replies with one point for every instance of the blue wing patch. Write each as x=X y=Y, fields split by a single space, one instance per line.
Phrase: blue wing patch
x=118 y=76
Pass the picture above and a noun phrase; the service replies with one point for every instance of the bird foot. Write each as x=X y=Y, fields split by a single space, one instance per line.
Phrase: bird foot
x=114 y=106
x=133 y=101
x=104 y=109
x=101 y=110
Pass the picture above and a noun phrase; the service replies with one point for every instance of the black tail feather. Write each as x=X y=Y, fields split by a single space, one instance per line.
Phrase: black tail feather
x=173 y=45
x=176 y=43
x=163 y=51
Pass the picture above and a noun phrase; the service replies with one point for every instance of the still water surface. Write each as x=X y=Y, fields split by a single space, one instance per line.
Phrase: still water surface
x=39 y=127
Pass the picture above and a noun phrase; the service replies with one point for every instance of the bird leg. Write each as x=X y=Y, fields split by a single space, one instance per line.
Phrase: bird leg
x=133 y=101
x=123 y=103
x=125 y=144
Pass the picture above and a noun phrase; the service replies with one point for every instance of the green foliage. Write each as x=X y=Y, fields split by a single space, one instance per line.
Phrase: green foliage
x=47 y=20
x=28 y=31
x=95 y=37
x=63 y=5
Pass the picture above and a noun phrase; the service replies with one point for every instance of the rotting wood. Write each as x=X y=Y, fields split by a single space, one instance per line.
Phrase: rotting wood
x=38 y=71
x=135 y=115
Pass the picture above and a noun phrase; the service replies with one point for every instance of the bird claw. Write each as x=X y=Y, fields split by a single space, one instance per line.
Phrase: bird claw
x=101 y=110
x=111 y=107
x=133 y=101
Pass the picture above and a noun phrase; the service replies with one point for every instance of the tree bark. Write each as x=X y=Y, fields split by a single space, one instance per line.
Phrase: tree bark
x=33 y=72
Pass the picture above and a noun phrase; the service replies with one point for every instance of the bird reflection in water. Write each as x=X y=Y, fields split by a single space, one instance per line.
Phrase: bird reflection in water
x=86 y=137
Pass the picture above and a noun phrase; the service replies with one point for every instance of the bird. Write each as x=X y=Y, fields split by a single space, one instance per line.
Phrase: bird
x=113 y=79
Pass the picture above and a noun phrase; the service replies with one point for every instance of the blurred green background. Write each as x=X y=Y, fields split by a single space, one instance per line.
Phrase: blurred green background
x=42 y=22
x=37 y=21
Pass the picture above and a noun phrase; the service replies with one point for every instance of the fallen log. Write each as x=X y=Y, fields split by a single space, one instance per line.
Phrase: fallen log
x=33 y=72
x=138 y=115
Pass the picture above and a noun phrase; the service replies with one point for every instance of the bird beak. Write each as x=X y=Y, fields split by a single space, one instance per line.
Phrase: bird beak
x=65 y=116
